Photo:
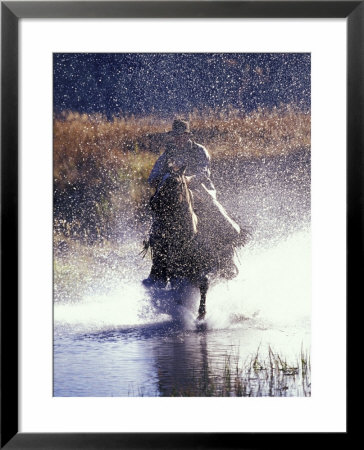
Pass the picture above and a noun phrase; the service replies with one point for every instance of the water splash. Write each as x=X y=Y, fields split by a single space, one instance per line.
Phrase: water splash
x=272 y=289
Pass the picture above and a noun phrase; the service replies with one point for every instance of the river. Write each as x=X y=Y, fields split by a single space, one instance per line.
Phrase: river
x=125 y=340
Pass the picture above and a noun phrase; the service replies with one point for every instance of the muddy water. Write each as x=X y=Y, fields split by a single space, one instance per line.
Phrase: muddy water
x=130 y=341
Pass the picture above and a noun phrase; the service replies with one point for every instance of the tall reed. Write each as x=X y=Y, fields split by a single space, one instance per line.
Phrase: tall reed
x=101 y=166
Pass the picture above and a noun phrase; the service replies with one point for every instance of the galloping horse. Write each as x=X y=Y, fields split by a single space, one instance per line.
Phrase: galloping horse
x=183 y=244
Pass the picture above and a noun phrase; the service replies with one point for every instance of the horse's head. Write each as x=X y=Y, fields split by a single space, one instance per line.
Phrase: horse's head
x=173 y=203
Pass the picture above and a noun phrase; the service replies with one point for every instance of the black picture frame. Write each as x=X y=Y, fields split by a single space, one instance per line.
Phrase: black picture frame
x=11 y=12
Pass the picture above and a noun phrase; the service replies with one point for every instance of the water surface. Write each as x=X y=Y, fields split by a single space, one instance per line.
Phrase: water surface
x=119 y=339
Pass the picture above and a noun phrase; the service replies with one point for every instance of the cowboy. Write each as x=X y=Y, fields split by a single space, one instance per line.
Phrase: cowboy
x=182 y=151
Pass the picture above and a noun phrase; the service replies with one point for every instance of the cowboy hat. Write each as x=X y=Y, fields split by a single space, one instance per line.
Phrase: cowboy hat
x=180 y=127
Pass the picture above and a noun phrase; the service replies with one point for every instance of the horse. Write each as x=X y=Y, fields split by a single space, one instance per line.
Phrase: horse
x=183 y=245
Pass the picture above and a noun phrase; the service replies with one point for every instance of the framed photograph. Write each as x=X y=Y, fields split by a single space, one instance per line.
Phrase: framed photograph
x=180 y=221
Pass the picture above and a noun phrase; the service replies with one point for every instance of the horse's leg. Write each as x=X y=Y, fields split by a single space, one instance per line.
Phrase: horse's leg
x=158 y=272
x=204 y=285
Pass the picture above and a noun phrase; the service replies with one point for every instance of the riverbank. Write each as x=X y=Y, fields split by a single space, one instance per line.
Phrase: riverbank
x=101 y=166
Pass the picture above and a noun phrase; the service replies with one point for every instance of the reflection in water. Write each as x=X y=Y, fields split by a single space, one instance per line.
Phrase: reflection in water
x=182 y=364
x=164 y=359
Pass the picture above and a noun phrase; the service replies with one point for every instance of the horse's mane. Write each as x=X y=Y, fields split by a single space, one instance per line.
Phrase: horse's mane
x=184 y=206
x=188 y=199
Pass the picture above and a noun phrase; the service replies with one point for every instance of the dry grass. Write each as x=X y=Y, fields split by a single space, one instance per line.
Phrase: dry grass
x=83 y=142
x=89 y=147
x=97 y=160
x=262 y=133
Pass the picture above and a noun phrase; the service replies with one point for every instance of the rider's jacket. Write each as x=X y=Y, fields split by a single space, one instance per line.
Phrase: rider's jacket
x=194 y=157
x=196 y=160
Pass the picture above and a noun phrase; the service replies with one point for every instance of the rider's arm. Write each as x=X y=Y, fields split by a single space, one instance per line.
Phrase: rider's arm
x=158 y=171
x=202 y=162
x=202 y=170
